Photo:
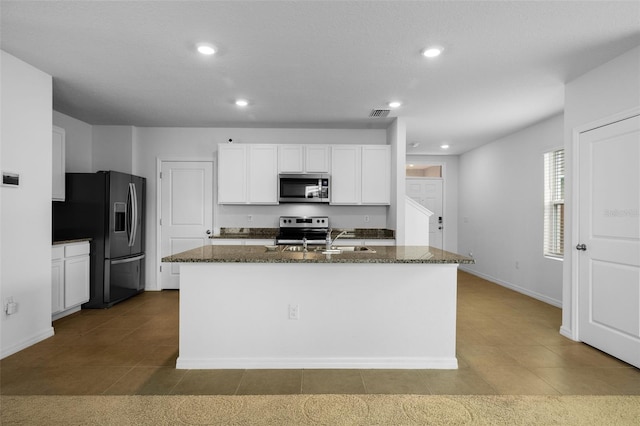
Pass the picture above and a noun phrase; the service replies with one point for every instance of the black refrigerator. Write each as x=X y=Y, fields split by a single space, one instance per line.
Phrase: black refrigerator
x=108 y=207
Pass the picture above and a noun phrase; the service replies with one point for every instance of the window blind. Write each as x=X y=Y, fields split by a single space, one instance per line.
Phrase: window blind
x=554 y=203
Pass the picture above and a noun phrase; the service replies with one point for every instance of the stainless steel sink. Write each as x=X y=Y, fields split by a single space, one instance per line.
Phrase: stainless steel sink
x=334 y=249
x=301 y=248
x=354 y=249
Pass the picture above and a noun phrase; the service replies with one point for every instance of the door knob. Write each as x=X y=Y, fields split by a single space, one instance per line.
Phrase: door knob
x=581 y=247
x=208 y=231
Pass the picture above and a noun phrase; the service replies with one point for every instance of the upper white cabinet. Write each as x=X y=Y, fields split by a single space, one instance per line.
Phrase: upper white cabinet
x=361 y=174
x=303 y=158
x=232 y=174
x=376 y=174
x=58 y=164
x=247 y=174
x=346 y=174
x=263 y=174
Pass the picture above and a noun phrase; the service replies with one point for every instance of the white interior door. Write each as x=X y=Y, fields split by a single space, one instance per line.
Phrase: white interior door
x=187 y=212
x=609 y=229
x=428 y=192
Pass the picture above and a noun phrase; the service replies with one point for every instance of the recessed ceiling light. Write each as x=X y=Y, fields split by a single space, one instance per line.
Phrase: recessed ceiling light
x=415 y=144
x=206 y=49
x=394 y=104
x=444 y=146
x=432 y=52
x=242 y=102
x=410 y=165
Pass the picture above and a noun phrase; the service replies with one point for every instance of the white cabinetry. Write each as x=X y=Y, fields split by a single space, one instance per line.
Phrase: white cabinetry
x=247 y=174
x=376 y=174
x=57 y=279
x=346 y=174
x=360 y=174
x=263 y=174
x=69 y=278
x=232 y=174
x=58 y=164
x=303 y=158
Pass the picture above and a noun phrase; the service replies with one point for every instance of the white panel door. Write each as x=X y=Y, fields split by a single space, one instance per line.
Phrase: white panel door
x=428 y=192
x=187 y=212
x=609 y=229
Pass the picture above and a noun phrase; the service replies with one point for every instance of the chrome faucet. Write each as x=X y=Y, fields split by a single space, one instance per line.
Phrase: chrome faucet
x=330 y=243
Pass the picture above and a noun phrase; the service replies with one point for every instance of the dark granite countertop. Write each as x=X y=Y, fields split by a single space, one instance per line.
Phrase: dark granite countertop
x=261 y=254
x=75 y=240
x=270 y=233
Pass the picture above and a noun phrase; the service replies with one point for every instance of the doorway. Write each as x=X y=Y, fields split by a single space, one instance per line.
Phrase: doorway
x=186 y=219
x=424 y=184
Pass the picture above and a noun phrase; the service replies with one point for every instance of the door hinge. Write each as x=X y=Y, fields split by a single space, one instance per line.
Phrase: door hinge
x=160 y=175
x=160 y=268
x=160 y=221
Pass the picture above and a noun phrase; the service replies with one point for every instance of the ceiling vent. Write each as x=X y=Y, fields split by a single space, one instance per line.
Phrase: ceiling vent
x=379 y=113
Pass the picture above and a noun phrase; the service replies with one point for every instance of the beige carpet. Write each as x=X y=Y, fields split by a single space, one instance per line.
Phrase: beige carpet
x=320 y=410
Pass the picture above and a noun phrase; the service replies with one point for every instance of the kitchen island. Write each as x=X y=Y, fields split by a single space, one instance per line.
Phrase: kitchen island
x=258 y=307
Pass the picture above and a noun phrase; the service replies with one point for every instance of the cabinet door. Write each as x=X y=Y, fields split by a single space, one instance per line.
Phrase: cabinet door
x=232 y=174
x=58 y=164
x=263 y=174
x=76 y=281
x=376 y=174
x=317 y=158
x=290 y=159
x=57 y=286
x=346 y=169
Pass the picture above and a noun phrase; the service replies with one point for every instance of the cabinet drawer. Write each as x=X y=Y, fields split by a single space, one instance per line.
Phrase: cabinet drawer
x=57 y=252
x=76 y=249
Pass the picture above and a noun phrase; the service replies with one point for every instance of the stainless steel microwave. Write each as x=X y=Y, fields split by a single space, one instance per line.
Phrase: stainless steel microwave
x=303 y=188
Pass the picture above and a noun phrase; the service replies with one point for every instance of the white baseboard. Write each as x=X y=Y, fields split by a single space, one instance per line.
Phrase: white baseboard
x=568 y=333
x=318 y=363
x=527 y=292
x=65 y=313
x=23 y=344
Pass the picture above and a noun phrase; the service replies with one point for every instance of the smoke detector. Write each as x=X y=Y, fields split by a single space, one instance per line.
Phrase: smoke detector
x=379 y=113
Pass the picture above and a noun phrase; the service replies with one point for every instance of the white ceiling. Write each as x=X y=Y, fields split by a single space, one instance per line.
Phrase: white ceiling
x=319 y=63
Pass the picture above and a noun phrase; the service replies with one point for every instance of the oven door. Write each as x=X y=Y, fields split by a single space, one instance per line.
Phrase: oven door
x=124 y=277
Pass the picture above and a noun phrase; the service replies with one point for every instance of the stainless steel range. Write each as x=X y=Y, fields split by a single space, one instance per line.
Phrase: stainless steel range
x=306 y=230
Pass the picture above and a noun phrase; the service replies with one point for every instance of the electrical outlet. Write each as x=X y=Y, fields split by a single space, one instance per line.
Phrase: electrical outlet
x=517 y=265
x=294 y=312
x=10 y=307
x=366 y=218
x=249 y=218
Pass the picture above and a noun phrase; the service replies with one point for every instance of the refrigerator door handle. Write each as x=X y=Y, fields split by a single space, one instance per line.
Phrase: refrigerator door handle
x=127 y=260
x=133 y=214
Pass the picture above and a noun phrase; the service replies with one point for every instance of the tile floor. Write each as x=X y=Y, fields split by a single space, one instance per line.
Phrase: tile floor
x=508 y=343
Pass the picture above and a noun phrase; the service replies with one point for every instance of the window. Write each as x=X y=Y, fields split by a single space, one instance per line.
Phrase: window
x=421 y=170
x=554 y=203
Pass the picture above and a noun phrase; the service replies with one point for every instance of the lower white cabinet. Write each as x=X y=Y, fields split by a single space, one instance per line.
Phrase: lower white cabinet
x=70 y=275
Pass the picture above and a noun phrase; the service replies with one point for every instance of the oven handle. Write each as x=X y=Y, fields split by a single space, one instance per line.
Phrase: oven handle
x=127 y=260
